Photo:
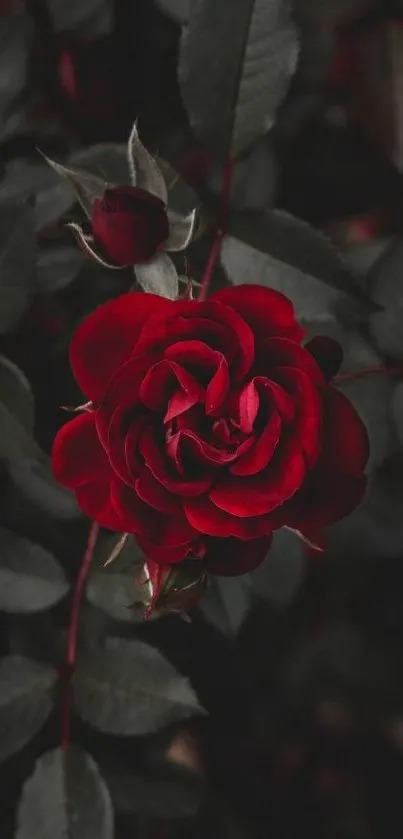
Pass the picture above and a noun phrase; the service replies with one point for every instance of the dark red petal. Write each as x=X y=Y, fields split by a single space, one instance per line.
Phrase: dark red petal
x=327 y=353
x=345 y=438
x=160 y=468
x=259 y=494
x=161 y=382
x=209 y=519
x=218 y=388
x=122 y=395
x=279 y=399
x=124 y=198
x=105 y=339
x=232 y=557
x=212 y=323
x=281 y=352
x=307 y=423
x=249 y=402
x=326 y=497
x=261 y=453
x=154 y=494
x=77 y=454
x=168 y=531
x=162 y=555
x=94 y=500
x=129 y=230
x=194 y=448
x=195 y=356
x=265 y=310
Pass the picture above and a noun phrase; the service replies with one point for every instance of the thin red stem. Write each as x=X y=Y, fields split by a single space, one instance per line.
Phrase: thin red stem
x=71 y=649
x=220 y=230
x=369 y=371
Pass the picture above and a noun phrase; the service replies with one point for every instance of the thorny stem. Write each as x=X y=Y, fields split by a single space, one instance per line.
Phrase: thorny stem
x=220 y=229
x=368 y=371
x=73 y=631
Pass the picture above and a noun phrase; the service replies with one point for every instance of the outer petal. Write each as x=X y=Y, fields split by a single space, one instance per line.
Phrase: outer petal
x=167 y=531
x=259 y=494
x=327 y=353
x=105 y=340
x=209 y=519
x=77 y=454
x=345 y=438
x=94 y=499
x=267 y=312
x=281 y=352
x=232 y=557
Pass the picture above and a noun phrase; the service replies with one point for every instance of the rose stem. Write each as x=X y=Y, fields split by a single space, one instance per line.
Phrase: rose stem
x=71 y=649
x=368 y=371
x=219 y=230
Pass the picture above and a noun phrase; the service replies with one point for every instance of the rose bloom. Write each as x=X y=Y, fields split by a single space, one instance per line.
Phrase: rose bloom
x=130 y=224
x=209 y=427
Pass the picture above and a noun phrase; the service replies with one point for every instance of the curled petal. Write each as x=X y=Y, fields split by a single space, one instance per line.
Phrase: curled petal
x=281 y=352
x=261 y=453
x=87 y=245
x=159 y=276
x=165 y=474
x=262 y=493
x=162 y=381
x=182 y=230
x=144 y=169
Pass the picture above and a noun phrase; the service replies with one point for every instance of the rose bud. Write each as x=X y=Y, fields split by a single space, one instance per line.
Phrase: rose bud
x=130 y=224
x=171 y=589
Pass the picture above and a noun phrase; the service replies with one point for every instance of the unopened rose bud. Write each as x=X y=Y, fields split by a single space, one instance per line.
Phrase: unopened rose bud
x=130 y=224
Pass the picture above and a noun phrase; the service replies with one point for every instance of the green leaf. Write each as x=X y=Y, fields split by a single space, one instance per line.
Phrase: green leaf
x=58 y=266
x=26 y=700
x=65 y=798
x=87 y=187
x=236 y=61
x=31 y=580
x=159 y=276
x=179 y=10
x=16 y=394
x=107 y=161
x=17 y=262
x=129 y=688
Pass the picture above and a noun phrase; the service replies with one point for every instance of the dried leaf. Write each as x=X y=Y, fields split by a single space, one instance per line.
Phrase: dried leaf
x=129 y=688
x=65 y=798
x=159 y=277
x=17 y=262
x=30 y=578
x=237 y=58
x=26 y=701
x=144 y=168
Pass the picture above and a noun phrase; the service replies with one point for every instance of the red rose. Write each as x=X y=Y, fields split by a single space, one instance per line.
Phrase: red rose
x=130 y=224
x=211 y=427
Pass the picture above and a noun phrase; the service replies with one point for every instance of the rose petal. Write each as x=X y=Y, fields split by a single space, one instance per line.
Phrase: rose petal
x=248 y=407
x=154 y=494
x=218 y=388
x=160 y=383
x=279 y=399
x=260 y=454
x=160 y=468
x=327 y=496
x=281 y=352
x=197 y=357
x=265 y=310
x=307 y=423
x=94 y=500
x=162 y=555
x=262 y=493
x=105 y=339
x=196 y=450
x=327 y=353
x=170 y=531
x=346 y=443
x=209 y=519
x=77 y=454
x=122 y=395
x=232 y=557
